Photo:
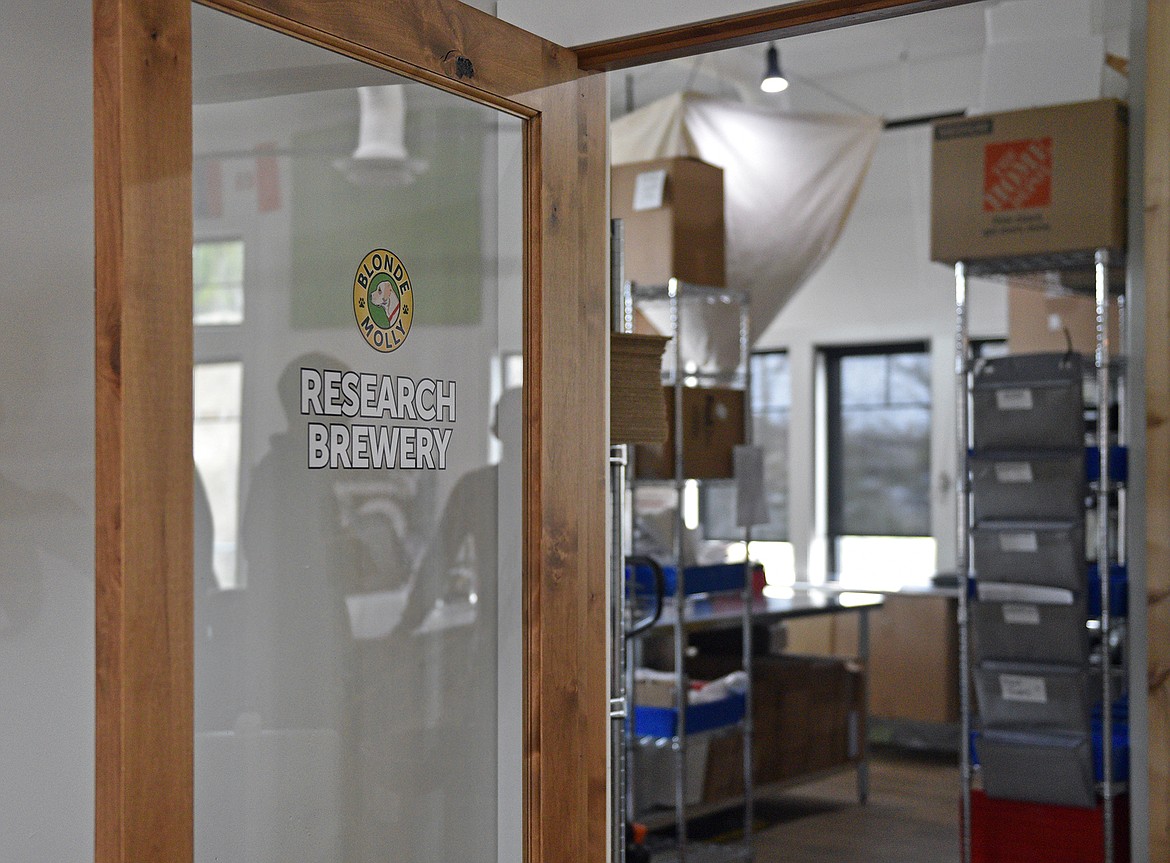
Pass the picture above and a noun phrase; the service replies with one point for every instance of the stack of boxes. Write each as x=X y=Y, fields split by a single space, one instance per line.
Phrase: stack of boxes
x=1035 y=683
x=637 y=412
x=808 y=714
x=672 y=210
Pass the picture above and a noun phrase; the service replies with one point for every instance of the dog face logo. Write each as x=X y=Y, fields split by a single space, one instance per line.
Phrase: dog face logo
x=383 y=301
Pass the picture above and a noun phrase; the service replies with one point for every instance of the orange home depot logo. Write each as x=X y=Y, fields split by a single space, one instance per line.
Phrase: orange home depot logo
x=1017 y=175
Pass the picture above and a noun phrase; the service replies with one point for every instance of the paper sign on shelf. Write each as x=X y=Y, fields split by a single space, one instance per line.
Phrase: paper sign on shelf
x=1013 y=472
x=1023 y=688
x=1014 y=399
x=1021 y=542
x=751 y=505
x=1020 y=613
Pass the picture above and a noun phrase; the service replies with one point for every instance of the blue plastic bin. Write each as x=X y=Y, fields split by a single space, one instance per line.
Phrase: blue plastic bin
x=716 y=578
x=663 y=721
x=1118 y=590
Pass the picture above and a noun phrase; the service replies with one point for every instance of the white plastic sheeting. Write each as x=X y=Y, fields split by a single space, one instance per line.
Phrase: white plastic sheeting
x=789 y=182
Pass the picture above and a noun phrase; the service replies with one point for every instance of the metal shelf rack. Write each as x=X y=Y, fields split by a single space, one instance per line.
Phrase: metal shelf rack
x=679 y=296
x=1108 y=539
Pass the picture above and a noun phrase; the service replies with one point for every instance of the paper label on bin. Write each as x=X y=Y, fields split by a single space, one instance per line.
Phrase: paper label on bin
x=1023 y=688
x=649 y=190
x=1014 y=399
x=1021 y=613
x=1023 y=542
x=1013 y=472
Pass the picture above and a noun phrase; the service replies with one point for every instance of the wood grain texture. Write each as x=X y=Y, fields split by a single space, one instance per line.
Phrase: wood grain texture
x=1157 y=468
x=566 y=746
x=717 y=34
x=424 y=40
x=142 y=143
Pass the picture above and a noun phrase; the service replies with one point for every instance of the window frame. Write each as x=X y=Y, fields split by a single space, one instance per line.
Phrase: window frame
x=834 y=491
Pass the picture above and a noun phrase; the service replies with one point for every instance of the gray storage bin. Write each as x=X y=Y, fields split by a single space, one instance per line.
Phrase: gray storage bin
x=1024 y=630
x=1034 y=696
x=1029 y=400
x=1046 y=553
x=1040 y=768
x=1029 y=486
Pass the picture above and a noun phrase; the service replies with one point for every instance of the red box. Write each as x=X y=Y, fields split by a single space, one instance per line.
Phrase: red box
x=1013 y=831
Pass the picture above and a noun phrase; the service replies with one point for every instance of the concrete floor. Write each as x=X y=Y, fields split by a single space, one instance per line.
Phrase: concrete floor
x=912 y=816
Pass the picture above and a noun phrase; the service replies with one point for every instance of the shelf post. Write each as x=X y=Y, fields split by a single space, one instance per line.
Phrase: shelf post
x=679 y=744
x=962 y=551
x=1104 y=397
x=621 y=721
x=749 y=801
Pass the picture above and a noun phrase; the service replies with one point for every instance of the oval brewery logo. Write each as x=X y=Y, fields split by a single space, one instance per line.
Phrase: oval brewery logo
x=383 y=302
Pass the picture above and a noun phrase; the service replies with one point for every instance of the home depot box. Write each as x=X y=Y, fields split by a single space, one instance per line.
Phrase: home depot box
x=713 y=425
x=673 y=215
x=1029 y=183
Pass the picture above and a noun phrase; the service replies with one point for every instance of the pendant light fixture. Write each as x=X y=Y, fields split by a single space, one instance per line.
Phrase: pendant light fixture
x=774 y=80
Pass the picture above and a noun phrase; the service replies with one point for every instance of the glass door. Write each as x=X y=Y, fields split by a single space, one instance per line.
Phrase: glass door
x=357 y=289
x=351 y=334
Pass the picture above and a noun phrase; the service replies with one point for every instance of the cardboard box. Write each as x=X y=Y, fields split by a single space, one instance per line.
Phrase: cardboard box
x=636 y=414
x=1041 y=182
x=674 y=224
x=713 y=425
x=808 y=713
x=656 y=691
x=1038 y=321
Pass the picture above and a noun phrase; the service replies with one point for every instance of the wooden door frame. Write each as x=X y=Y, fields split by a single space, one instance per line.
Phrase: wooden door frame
x=143 y=345
x=748 y=28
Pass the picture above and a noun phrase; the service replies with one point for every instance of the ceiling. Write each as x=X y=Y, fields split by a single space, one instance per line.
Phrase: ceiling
x=909 y=66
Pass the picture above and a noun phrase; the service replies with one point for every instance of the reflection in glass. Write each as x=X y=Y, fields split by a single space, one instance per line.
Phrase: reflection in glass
x=218 y=388
x=218 y=279
x=357 y=691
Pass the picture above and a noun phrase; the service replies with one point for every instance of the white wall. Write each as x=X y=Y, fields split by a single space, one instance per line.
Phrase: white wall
x=46 y=437
x=879 y=286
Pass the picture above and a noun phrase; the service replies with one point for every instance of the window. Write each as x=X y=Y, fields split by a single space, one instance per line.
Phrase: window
x=218 y=390
x=878 y=457
x=218 y=284
x=771 y=400
x=218 y=276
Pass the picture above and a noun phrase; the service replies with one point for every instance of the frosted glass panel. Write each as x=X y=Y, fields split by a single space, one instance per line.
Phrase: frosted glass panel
x=358 y=663
x=46 y=434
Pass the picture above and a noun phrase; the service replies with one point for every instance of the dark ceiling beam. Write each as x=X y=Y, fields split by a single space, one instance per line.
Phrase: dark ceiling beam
x=733 y=31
